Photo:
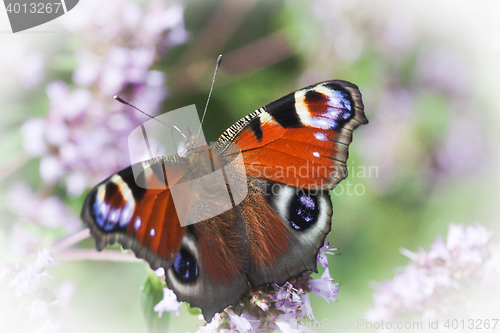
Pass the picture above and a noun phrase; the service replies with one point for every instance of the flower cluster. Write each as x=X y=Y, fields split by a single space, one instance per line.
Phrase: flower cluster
x=47 y=211
x=168 y=303
x=26 y=306
x=34 y=209
x=271 y=307
x=454 y=279
x=83 y=138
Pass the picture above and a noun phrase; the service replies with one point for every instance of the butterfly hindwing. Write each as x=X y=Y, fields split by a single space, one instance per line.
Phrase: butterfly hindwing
x=209 y=270
x=292 y=224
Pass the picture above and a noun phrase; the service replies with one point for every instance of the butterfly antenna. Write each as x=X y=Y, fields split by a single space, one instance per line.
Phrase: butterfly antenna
x=119 y=99
x=211 y=88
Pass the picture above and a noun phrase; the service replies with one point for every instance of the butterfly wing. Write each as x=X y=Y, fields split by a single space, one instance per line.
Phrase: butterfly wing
x=294 y=150
x=295 y=221
x=301 y=139
x=136 y=209
x=208 y=272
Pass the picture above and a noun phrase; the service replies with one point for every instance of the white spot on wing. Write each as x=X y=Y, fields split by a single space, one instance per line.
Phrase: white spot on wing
x=127 y=213
x=137 y=223
x=152 y=232
x=101 y=192
x=316 y=154
x=320 y=136
x=123 y=215
x=266 y=118
x=124 y=189
x=113 y=215
x=320 y=122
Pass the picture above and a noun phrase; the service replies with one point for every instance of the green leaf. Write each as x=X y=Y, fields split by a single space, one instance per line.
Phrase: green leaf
x=193 y=310
x=152 y=294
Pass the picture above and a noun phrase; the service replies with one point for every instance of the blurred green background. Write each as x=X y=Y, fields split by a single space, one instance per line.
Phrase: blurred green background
x=428 y=72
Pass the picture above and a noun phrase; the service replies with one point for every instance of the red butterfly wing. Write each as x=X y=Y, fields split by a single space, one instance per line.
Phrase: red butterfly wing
x=142 y=218
x=301 y=139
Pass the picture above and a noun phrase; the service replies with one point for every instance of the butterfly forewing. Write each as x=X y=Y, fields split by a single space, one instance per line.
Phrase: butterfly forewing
x=301 y=139
x=138 y=217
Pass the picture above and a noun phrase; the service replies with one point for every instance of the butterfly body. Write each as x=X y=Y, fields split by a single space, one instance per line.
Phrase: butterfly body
x=293 y=151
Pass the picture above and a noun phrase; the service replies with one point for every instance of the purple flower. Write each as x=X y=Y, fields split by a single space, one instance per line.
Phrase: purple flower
x=33 y=133
x=23 y=297
x=168 y=303
x=122 y=42
x=87 y=68
x=28 y=280
x=273 y=307
x=306 y=307
x=449 y=278
x=324 y=287
x=212 y=327
x=326 y=249
x=240 y=323
x=45 y=211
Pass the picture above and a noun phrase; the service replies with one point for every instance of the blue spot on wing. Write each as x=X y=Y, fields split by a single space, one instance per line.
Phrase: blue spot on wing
x=303 y=211
x=101 y=210
x=185 y=266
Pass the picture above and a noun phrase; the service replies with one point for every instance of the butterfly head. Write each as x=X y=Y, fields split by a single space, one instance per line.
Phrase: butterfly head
x=193 y=140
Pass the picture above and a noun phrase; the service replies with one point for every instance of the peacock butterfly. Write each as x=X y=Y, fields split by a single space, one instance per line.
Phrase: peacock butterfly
x=294 y=152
